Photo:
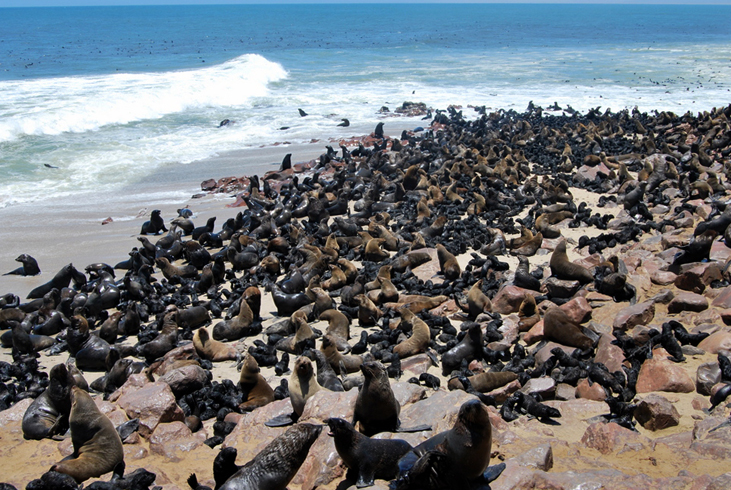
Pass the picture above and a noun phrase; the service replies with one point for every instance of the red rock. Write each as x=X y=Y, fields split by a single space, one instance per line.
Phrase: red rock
x=716 y=342
x=586 y=173
x=508 y=299
x=663 y=278
x=503 y=393
x=590 y=391
x=324 y=404
x=439 y=410
x=577 y=309
x=655 y=412
x=544 y=386
x=535 y=334
x=610 y=437
x=540 y=457
x=723 y=300
x=545 y=352
x=416 y=365
x=153 y=404
x=687 y=302
x=609 y=354
x=560 y=288
x=659 y=374
x=631 y=316
x=186 y=379
x=719 y=252
x=690 y=281
x=706 y=376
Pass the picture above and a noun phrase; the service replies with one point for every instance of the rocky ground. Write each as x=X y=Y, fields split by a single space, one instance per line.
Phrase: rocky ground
x=634 y=187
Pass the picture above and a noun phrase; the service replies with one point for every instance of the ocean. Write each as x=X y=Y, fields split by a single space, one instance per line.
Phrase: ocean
x=110 y=96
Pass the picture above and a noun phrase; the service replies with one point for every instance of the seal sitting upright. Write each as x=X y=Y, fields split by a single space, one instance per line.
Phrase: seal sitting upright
x=97 y=445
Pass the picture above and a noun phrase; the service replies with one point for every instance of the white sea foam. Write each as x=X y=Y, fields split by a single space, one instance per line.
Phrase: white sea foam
x=80 y=104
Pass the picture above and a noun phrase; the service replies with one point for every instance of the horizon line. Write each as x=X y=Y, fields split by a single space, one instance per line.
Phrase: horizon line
x=181 y=3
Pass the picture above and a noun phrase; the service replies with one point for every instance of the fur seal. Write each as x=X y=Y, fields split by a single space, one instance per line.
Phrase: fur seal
x=338 y=323
x=237 y=327
x=367 y=458
x=61 y=280
x=477 y=301
x=448 y=263
x=420 y=336
x=468 y=349
x=89 y=350
x=256 y=392
x=211 y=349
x=484 y=382
x=376 y=407
x=562 y=268
x=97 y=445
x=275 y=466
x=155 y=225
x=302 y=384
x=558 y=327
x=165 y=341
x=466 y=449
x=29 y=267
x=338 y=361
x=48 y=415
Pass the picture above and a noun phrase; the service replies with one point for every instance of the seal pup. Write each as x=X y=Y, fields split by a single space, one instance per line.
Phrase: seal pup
x=255 y=390
x=367 y=458
x=465 y=449
x=275 y=466
x=97 y=445
x=562 y=268
x=29 y=267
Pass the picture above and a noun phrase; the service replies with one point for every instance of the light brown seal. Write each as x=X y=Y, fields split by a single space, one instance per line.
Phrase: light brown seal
x=97 y=445
x=211 y=349
x=338 y=361
x=562 y=268
x=256 y=392
x=448 y=263
x=558 y=327
x=302 y=384
x=420 y=336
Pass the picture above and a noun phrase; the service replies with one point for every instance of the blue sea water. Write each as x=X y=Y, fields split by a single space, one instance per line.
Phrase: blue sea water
x=107 y=94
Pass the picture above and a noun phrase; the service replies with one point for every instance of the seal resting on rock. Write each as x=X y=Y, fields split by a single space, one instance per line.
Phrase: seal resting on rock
x=367 y=458
x=457 y=458
x=563 y=268
x=275 y=466
x=97 y=445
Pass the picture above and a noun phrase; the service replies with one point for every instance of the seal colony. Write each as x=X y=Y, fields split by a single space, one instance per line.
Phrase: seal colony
x=443 y=250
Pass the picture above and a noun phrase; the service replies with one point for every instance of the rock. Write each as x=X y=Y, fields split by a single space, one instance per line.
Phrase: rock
x=406 y=393
x=540 y=457
x=663 y=278
x=590 y=391
x=631 y=316
x=415 y=365
x=508 y=299
x=659 y=374
x=655 y=412
x=578 y=309
x=153 y=404
x=687 y=302
x=609 y=354
x=565 y=392
x=544 y=386
x=716 y=342
x=169 y=440
x=544 y=353
x=503 y=393
x=535 y=334
x=439 y=410
x=690 y=281
x=611 y=437
x=186 y=379
x=723 y=300
x=586 y=173
x=560 y=288
x=324 y=404
x=719 y=252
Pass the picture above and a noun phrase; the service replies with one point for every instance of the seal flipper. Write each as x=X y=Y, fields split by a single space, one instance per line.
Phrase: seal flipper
x=366 y=477
x=282 y=420
x=492 y=473
x=416 y=428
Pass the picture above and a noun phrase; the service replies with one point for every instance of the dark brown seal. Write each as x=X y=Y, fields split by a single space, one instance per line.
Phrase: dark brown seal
x=468 y=349
x=97 y=445
x=275 y=466
x=367 y=458
x=376 y=407
x=48 y=415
